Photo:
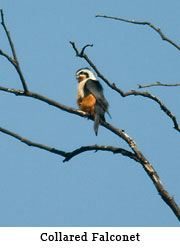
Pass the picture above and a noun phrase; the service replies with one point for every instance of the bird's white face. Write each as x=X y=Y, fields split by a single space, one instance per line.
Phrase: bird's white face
x=84 y=74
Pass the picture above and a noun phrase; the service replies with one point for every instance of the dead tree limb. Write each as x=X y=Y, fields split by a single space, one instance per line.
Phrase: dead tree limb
x=159 y=84
x=14 y=61
x=69 y=155
x=157 y=29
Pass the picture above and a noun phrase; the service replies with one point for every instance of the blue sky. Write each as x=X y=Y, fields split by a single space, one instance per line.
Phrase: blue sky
x=93 y=189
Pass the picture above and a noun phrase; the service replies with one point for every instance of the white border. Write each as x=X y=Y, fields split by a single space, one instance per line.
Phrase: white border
x=28 y=239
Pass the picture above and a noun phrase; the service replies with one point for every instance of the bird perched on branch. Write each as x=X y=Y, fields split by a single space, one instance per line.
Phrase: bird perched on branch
x=90 y=96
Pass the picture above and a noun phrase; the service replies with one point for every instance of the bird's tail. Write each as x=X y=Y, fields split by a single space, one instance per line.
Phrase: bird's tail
x=99 y=115
x=96 y=123
x=98 y=118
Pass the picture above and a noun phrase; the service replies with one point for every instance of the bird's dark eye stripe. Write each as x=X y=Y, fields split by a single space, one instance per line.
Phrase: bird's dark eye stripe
x=87 y=75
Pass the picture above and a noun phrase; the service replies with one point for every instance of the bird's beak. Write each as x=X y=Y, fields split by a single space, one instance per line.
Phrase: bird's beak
x=80 y=78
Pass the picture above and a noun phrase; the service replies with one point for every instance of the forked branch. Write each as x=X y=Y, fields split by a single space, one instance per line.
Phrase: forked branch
x=14 y=60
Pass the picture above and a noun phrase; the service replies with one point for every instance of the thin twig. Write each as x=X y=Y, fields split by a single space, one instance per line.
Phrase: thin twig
x=8 y=35
x=11 y=60
x=157 y=29
x=83 y=49
x=159 y=84
x=14 y=61
x=132 y=92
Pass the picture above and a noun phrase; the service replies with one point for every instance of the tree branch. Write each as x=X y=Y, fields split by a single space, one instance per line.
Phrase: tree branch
x=158 y=30
x=8 y=35
x=159 y=84
x=30 y=143
x=44 y=99
x=11 y=60
x=69 y=155
x=96 y=148
x=125 y=94
x=14 y=60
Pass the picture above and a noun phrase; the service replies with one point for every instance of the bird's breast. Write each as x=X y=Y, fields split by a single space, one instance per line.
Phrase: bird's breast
x=81 y=88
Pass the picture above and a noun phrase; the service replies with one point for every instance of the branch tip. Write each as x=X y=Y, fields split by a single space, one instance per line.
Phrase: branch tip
x=2 y=14
x=79 y=54
x=83 y=49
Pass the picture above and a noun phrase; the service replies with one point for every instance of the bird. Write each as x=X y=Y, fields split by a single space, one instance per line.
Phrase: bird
x=90 y=97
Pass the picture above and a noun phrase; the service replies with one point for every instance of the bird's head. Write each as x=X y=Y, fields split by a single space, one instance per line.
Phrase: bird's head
x=85 y=73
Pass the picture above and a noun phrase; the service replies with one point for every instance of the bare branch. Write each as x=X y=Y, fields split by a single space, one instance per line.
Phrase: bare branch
x=96 y=148
x=44 y=99
x=161 y=104
x=83 y=49
x=159 y=84
x=132 y=92
x=8 y=35
x=14 y=60
x=30 y=143
x=11 y=60
x=70 y=155
x=158 y=30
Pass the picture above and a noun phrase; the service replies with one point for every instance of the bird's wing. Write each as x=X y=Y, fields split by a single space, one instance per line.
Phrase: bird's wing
x=94 y=87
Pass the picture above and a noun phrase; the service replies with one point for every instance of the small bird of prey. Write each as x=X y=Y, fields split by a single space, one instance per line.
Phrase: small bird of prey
x=90 y=98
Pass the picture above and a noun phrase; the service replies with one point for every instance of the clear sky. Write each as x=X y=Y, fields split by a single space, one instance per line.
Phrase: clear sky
x=93 y=189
